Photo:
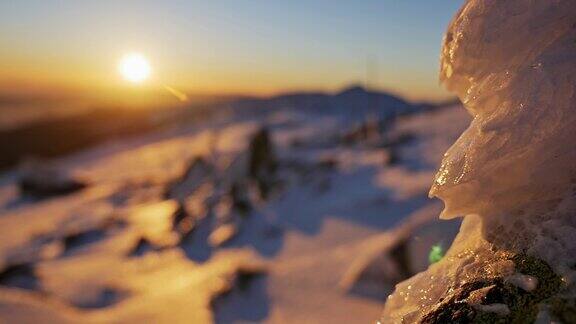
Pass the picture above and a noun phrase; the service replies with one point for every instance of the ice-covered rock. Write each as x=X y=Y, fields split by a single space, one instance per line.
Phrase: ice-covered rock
x=512 y=172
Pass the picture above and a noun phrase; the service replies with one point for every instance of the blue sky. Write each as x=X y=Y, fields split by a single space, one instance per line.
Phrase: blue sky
x=230 y=46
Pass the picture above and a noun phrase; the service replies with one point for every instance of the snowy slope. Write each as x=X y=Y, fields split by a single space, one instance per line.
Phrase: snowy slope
x=110 y=253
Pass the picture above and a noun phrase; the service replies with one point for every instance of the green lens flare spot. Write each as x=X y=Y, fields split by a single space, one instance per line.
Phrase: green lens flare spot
x=436 y=253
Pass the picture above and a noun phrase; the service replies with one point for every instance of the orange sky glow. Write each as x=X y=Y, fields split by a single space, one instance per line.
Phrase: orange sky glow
x=223 y=48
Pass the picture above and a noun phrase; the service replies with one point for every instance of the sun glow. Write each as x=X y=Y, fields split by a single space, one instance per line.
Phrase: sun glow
x=134 y=67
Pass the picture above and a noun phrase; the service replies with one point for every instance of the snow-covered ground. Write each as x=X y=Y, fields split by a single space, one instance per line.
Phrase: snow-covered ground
x=110 y=253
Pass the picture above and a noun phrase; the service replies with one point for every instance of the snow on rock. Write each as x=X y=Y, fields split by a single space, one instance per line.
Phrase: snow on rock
x=154 y=222
x=227 y=224
x=197 y=173
x=26 y=307
x=511 y=172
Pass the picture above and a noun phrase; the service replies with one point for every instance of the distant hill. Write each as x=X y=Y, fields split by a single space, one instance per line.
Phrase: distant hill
x=352 y=101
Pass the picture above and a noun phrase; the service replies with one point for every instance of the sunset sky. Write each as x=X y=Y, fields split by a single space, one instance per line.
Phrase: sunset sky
x=226 y=46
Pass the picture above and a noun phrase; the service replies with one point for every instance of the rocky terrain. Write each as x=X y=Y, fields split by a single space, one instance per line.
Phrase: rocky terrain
x=307 y=209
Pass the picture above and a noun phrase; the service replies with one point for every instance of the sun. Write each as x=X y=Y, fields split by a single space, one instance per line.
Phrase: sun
x=134 y=67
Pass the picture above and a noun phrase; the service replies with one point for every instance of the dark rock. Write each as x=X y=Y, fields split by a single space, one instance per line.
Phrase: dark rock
x=262 y=161
x=104 y=298
x=46 y=181
x=77 y=240
x=369 y=131
x=391 y=156
x=19 y=276
x=183 y=223
x=240 y=201
x=243 y=277
x=246 y=275
x=524 y=306
x=142 y=247
x=563 y=309
x=400 y=254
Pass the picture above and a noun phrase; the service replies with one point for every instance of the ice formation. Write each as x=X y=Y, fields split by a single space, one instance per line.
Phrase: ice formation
x=512 y=172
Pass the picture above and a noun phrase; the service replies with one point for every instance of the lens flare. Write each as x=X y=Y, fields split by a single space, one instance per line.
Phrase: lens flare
x=436 y=253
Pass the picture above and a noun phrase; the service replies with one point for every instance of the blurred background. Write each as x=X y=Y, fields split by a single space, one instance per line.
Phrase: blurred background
x=229 y=162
